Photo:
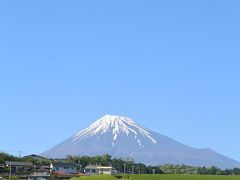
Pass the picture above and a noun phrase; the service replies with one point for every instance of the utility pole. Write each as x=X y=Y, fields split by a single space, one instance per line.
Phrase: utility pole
x=124 y=168
x=80 y=165
x=133 y=169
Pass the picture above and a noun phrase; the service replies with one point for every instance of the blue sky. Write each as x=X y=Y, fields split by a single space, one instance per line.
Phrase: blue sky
x=172 y=66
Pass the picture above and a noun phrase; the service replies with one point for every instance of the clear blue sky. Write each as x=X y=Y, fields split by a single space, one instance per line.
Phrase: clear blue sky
x=172 y=66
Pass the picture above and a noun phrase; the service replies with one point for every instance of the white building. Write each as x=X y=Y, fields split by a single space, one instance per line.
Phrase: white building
x=93 y=170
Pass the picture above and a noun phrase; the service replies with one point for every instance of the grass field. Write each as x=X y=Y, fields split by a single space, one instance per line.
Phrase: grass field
x=159 y=177
x=182 y=177
x=99 y=177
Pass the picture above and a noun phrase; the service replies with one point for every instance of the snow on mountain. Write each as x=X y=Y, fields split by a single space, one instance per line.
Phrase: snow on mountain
x=117 y=125
x=121 y=137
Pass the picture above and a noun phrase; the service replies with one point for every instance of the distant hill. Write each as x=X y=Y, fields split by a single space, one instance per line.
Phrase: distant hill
x=122 y=137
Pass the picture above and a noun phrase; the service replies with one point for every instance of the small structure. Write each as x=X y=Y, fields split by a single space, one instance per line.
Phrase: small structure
x=94 y=170
x=68 y=168
x=39 y=176
x=19 y=167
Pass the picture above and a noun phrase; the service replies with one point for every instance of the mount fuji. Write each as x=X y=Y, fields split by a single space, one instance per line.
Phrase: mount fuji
x=121 y=137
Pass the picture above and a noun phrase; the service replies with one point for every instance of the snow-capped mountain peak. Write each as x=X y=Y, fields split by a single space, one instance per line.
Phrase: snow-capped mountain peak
x=122 y=137
x=117 y=125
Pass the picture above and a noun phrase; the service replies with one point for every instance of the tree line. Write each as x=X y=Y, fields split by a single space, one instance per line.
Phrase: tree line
x=130 y=167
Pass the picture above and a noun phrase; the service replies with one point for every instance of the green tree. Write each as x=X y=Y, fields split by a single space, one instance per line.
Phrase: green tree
x=236 y=171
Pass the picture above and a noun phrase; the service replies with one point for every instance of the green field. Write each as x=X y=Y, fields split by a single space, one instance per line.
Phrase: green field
x=182 y=177
x=159 y=177
x=103 y=177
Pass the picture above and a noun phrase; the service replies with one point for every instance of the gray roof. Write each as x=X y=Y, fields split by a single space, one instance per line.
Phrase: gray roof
x=61 y=164
x=37 y=157
x=12 y=163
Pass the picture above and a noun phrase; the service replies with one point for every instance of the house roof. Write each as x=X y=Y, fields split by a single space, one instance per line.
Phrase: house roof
x=37 y=157
x=98 y=167
x=61 y=164
x=80 y=174
x=64 y=174
x=12 y=163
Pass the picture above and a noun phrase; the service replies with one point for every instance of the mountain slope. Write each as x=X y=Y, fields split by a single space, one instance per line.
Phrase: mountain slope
x=122 y=137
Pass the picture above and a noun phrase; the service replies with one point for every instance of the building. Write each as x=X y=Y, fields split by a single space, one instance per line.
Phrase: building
x=68 y=168
x=19 y=167
x=39 y=176
x=41 y=164
x=94 y=170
